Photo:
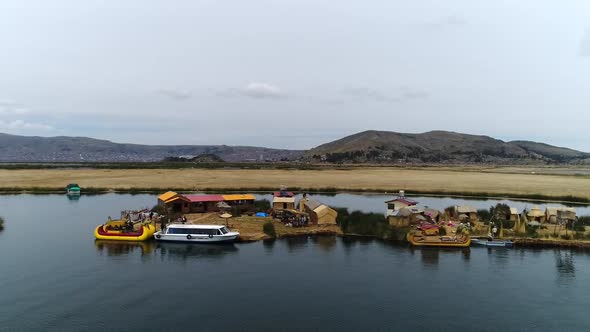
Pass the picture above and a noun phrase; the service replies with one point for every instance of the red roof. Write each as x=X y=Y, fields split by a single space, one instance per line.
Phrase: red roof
x=406 y=201
x=204 y=198
x=283 y=194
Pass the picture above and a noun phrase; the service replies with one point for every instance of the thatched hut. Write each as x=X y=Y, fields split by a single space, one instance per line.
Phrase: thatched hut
x=465 y=213
x=559 y=215
x=536 y=214
x=319 y=213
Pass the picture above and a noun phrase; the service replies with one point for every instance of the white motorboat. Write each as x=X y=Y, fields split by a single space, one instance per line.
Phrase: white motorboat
x=491 y=243
x=196 y=233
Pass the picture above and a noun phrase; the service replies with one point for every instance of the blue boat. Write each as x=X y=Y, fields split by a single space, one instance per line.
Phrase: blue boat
x=491 y=243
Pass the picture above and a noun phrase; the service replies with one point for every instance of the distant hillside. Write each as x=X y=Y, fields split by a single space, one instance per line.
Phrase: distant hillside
x=202 y=158
x=440 y=147
x=380 y=147
x=14 y=148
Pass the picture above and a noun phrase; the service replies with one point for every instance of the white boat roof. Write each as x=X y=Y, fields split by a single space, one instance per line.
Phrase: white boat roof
x=195 y=226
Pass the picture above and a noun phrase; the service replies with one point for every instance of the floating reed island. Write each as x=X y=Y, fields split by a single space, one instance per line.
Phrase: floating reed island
x=284 y=216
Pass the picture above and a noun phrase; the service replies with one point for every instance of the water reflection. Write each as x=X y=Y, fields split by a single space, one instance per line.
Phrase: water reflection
x=185 y=251
x=466 y=254
x=119 y=248
x=268 y=245
x=564 y=261
x=326 y=243
x=73 y=198
x=430 y=256
x=296 y=243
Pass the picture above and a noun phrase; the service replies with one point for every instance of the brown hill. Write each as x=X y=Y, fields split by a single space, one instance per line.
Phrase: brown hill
x=439 y=146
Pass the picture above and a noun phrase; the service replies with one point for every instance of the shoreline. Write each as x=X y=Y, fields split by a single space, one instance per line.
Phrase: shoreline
x=251 y=230
x=525 y=243
x=91 y=191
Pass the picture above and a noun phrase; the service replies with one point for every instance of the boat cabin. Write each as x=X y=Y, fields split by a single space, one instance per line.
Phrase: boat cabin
x=197 y=229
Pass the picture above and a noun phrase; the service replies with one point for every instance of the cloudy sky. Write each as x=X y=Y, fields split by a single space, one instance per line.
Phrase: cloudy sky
x=294 y=73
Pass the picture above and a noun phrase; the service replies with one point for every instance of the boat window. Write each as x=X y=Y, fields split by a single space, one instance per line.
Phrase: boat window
x=224 y=230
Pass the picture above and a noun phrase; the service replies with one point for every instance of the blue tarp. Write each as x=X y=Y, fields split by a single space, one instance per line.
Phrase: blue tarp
x=262 y=214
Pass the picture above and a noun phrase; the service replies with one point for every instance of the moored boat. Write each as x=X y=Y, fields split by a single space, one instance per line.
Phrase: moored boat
x=429 y=236
x=73 y=189
x=492 y=243
x=118 y=230
x=196 y=233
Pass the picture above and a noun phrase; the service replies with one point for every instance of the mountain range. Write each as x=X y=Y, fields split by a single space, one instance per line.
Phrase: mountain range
x=375 y=147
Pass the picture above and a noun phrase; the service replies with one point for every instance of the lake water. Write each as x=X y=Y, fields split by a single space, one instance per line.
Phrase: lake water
x=55 y=277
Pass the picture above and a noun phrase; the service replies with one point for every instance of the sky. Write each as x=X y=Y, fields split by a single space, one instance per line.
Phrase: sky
x=294 y=73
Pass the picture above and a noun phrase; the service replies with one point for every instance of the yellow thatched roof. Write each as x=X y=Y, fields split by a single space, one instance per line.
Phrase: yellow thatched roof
x=283 y=200
x=238 y=197
x=535 y=212
x=167 y=195
x=177 y=198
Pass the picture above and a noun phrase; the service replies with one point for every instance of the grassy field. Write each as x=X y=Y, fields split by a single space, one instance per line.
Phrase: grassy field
x=517 y=183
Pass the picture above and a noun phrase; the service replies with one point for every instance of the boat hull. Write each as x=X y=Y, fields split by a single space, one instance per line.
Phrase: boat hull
x=145 y=232
x=486 y=243
x=195 y=238
x=415 y=241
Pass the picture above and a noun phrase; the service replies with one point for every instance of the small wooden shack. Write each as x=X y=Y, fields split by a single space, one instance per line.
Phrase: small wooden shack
x=174 y=202
x=413 y=215
x=204 y=203
x=559 y=215
x=319 y=213
x=283 y=200
x=397 y=204
x=240 y=203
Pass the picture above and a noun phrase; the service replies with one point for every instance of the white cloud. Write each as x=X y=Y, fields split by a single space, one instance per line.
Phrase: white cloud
x=257 y=90
x=23 y=125
x=585 y=44
x=12 y=107
x=175 y=94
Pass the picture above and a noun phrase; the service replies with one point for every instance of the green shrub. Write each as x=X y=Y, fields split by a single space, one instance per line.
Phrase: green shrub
x=531 y=231
x=371 y=224
x=484 y=215
x=262 y=205
x=442 y=231
x=566 y=237
x=584 y=221
x=269 y=229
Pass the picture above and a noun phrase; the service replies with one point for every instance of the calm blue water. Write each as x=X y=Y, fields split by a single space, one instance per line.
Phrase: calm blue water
x=55 y=277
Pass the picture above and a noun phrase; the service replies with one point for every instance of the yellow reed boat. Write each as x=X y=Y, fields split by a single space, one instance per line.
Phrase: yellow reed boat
x=120 y=230
x=429 y=236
